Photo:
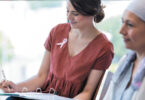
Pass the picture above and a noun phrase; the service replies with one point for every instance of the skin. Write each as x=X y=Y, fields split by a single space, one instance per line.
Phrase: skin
x=133 y=32
x=82 y=30
x=33 y=83
x=81 y=34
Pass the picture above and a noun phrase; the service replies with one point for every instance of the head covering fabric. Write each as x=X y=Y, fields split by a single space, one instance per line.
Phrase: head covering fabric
x=138 y=8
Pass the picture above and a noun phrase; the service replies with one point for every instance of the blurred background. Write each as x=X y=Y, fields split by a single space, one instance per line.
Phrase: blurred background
x=25 y=25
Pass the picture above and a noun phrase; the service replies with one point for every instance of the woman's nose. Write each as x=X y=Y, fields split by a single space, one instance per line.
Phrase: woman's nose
x=69 y=16
x=123 y=29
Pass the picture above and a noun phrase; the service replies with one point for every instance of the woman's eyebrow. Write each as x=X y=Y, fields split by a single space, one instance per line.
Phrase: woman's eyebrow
x=74 y=11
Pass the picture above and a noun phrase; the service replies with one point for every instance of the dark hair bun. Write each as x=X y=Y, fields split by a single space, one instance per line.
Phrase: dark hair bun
x=99 y=16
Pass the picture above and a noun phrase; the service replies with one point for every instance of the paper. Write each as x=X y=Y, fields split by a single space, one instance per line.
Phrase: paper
x=36 y=96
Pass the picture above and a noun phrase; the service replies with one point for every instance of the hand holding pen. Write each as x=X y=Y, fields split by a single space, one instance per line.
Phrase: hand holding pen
x=5 y=85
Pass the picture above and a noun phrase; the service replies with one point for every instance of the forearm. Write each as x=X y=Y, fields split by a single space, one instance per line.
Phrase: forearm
x=31 y=84
x=38 y=80
x=83 y=96
x=91 y=84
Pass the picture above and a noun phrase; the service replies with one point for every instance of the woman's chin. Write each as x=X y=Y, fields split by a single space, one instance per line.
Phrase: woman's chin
x=129 y=47
x=73 y=26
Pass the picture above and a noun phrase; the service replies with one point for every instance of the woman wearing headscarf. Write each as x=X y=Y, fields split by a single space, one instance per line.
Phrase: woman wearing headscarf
x=77 y=55
x=128 y=81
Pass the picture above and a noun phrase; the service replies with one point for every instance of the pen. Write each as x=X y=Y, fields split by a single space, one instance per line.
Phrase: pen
x=4 y=76
x=3 y=73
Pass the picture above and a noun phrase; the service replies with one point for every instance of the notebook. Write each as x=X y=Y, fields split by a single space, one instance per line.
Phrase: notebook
x=36 y=96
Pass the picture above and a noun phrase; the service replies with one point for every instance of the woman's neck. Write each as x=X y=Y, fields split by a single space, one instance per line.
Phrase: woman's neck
x=85 y=32
x=140 y=55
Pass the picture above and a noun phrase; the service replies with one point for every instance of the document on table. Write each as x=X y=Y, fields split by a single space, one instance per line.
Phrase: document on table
x=36 y=96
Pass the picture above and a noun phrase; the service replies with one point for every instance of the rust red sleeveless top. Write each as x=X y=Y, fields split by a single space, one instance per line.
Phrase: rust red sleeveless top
x=68 y=75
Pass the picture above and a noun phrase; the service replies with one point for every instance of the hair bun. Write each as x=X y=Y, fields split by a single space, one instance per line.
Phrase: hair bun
x=100 y=14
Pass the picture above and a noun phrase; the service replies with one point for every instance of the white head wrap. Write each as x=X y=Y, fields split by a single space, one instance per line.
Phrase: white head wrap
x=138 y=8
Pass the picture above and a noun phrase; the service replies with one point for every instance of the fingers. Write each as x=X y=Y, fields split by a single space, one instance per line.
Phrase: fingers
x=7 y=86
x=8 y=90
x=1 y=83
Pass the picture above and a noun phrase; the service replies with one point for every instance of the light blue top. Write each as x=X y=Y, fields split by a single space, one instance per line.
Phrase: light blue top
x=117 y=88
x=128 y=93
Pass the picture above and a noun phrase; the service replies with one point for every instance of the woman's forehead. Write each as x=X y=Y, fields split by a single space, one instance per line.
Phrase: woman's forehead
x=70 y=6
x=128 y=15
x=137 y=7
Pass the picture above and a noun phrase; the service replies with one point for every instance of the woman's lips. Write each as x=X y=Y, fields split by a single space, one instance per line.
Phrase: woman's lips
x=126 y=39
x=72 y=22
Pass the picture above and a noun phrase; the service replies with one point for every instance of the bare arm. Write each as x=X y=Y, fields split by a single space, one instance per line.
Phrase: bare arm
x=36 y=82
x=90 y=87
